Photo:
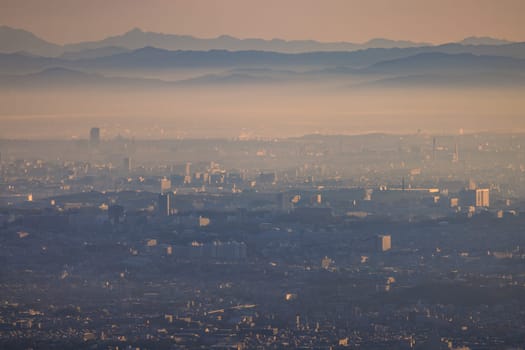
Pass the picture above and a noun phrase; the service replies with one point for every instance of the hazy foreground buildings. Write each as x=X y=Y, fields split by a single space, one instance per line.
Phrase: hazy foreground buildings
x=315 y=242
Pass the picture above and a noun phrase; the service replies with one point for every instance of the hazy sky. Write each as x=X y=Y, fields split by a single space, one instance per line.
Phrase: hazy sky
x=64 y=21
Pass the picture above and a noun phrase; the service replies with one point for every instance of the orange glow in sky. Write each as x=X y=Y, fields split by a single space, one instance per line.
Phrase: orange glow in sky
x=435 y=21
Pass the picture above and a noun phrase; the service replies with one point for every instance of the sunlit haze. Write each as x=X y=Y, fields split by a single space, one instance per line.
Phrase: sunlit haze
x=436 y=21
x=240 y=174
x=263 y=96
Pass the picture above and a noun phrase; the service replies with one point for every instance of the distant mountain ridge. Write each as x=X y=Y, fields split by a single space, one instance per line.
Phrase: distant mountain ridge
x=155 y=59
x=93 y=53
x=139 y=59
x=68 y=78
x=15 y=40
x=484 y=40
x=477 y=80
x=438 y=61
x=423 y=69
x=136 y=38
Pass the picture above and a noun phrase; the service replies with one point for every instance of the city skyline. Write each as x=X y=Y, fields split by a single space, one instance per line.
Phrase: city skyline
x=242 y=174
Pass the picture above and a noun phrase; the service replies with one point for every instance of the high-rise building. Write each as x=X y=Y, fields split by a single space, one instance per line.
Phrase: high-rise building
x=383 y=243
x=482 y=197
x=126 y=164
x=165 y=185
x=187 y=174
x=455 y=155
x=164 y=204
x=94 y=137
x=479 y=197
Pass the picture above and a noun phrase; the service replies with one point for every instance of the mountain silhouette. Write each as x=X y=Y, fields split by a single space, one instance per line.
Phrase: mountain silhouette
x=483 y=40
x=15 y=40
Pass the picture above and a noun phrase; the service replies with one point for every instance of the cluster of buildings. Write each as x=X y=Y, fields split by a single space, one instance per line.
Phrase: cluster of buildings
x=305 y=243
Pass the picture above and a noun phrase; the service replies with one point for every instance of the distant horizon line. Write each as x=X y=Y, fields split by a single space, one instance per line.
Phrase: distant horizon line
x=268 y=138
x=138 y=29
